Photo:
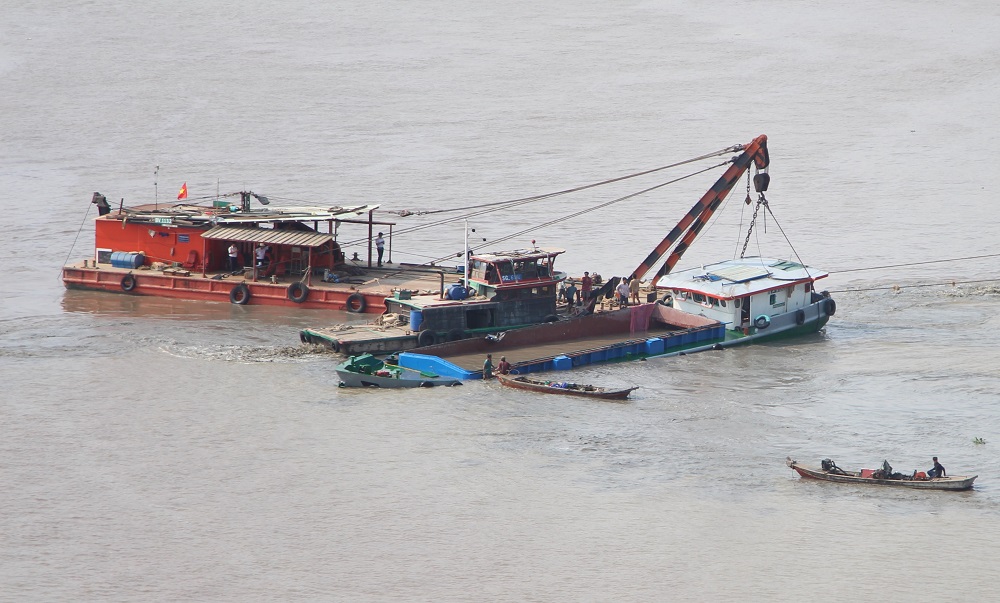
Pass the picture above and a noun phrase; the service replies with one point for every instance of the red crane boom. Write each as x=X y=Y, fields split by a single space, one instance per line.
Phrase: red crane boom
x=692 y=223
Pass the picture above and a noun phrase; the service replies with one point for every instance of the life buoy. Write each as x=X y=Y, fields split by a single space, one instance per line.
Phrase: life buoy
x=128 y=282
x=298 y=292
x=762 y=322
x=800 y=317
x=426 y=338
x=456 y=335
x=356 y=303
x=831 y=307
x=240 y=294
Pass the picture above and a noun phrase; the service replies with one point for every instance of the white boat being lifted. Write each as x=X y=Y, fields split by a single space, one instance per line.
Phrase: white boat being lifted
x=754 y=297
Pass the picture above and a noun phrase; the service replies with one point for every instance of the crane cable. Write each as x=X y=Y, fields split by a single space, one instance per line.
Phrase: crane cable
x=577 y=189
x=585 y=211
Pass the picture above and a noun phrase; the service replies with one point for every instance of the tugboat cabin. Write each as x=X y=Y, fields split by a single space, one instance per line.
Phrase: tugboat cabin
x=744 y=293
x=503 y=290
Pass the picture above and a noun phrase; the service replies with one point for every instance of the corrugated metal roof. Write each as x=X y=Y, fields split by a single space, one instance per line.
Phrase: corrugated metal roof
x=268 y=235
x=740 y=274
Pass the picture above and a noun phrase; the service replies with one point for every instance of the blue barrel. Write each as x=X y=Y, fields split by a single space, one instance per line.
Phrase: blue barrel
x=456 y=292
x=117 y=261
x=416 y=317
x=134 y=260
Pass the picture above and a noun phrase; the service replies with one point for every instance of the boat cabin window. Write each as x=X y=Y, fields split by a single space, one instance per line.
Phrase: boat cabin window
x=698 y=297
x=809 y=287
x=526 y=269
x=506 y=271
x=722 y=303
x=736 y=302
x=773 y=299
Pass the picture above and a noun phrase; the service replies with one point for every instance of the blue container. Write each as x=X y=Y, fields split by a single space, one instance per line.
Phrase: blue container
x=456 y=292
x=562 y=363
x=654 y=346
x=134 y=260
x=124 y=259
x=416 y=317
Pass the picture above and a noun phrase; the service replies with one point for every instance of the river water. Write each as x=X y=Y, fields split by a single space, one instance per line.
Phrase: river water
x=158 y=450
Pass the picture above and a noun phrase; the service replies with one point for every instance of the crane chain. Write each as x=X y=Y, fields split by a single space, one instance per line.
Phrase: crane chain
x=753 y=220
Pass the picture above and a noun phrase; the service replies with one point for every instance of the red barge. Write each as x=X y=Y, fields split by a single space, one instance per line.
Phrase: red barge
x=182 y=251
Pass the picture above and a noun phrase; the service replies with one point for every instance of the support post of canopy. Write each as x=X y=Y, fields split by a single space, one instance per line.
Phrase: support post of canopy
x=370 y=212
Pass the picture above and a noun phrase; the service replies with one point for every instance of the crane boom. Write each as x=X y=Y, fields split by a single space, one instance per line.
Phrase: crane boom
x=692 y=223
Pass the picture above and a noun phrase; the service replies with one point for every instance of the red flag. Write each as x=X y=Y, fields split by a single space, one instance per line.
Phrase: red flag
x=184 y=192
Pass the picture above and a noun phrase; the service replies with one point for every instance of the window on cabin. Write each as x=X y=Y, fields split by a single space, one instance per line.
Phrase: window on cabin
x=808 y=287
x=698 y=297
x=736 y=302
x=774 y=299
x=722 y=303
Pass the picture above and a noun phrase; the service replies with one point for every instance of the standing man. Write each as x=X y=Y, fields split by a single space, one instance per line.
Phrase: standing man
x=623 y=292
x=570 y=294
x=234 y=257
x=938 y=470
x=380 y=246
x=586 y=284
x=488 y=367
x=633 y=287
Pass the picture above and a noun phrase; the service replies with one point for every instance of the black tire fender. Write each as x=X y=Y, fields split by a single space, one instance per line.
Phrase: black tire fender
x=298 y=292
x=800 y=317
x=426 y=338
x=356 y=303
x=456 y=335
x=831 y=307
x=333 y=344
x=240 y=294
x=762 y=322
x=305 y=337
x=128 y=282
x=551 y=318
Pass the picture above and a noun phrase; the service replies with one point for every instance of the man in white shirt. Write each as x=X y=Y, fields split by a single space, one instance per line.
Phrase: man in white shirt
x=234 y=257
x=380 y=247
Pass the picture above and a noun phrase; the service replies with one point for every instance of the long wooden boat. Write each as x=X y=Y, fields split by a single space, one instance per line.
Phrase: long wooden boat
x=367 y=371
x=881 y=477
x=562 y=387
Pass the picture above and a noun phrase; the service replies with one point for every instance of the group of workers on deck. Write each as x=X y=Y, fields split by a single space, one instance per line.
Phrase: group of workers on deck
x=626 y=292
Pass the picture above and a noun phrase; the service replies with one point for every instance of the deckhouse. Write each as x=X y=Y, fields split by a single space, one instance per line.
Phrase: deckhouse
x=746 y=292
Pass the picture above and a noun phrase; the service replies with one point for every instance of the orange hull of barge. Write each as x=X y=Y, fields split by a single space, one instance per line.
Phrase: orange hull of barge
x=320 y=295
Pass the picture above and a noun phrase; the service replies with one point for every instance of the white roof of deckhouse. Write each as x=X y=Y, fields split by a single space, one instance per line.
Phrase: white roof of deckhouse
x=737 y=278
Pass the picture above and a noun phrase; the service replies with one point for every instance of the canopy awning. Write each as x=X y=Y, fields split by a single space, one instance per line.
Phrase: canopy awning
x=269 y=236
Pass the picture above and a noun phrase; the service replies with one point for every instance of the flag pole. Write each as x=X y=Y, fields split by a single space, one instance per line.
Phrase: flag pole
x=156 y=190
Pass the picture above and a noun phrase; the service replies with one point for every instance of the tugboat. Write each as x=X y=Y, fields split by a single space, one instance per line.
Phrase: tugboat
x=502 y=291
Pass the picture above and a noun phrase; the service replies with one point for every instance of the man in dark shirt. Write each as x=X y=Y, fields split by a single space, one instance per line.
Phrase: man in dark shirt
x=938 y=470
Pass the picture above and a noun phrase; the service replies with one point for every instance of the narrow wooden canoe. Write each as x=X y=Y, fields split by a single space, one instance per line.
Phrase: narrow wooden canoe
x=560 y=387
x=952 y=482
